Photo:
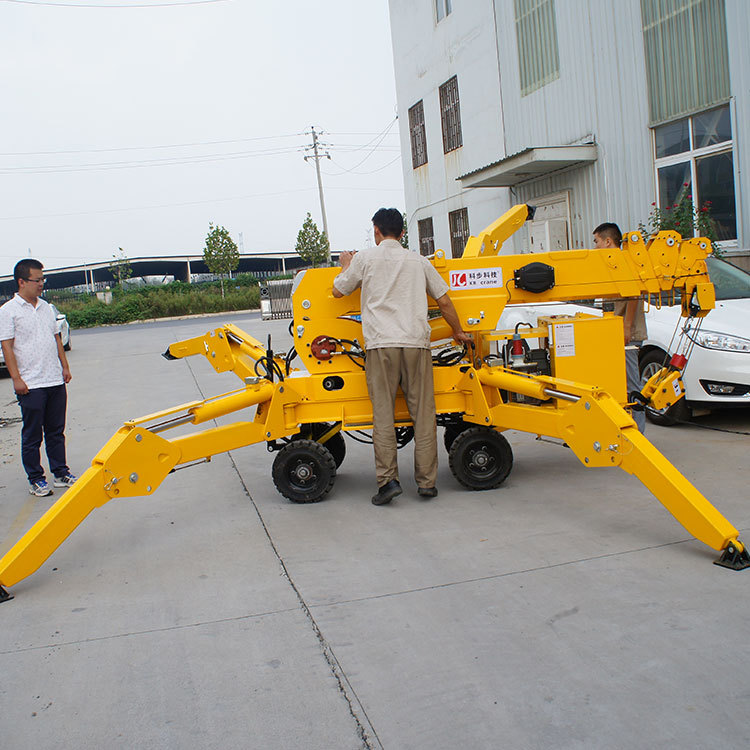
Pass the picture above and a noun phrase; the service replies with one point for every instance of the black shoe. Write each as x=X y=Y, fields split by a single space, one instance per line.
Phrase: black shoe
x=387 y=492
x=427 y=491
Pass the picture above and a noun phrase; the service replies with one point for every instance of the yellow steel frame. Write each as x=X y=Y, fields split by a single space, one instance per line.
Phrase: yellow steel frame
x=587 y=418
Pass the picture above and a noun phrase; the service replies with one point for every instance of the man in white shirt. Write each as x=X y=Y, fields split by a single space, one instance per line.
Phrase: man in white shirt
x=395 y=283
x=35 y=358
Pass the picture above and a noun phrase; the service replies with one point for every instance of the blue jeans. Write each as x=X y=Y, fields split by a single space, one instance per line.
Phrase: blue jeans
x=43 y=412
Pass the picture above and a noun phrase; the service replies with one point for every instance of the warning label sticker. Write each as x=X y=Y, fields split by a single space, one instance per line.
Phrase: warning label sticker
x=476 y=278
x=565 y=340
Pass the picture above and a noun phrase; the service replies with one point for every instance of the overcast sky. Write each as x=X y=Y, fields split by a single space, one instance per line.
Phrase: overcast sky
x=135 y=127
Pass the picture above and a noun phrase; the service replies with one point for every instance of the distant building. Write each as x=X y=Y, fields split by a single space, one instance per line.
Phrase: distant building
x=589 y=109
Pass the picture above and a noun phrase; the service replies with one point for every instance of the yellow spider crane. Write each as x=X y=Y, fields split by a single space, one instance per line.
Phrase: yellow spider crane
x=570 y=386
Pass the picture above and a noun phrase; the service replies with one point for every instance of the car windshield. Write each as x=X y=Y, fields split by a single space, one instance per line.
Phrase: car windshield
x=730 y=282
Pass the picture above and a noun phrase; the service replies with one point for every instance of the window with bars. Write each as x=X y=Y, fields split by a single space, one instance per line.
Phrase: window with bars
x=450 y=115
x=459 y=228
x=418 y=135
x=426 y=236
x=693 y=156
x=442 y=8
x=687 y=62
x=536 y=34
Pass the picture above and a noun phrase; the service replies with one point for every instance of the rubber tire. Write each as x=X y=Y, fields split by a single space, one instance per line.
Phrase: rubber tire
x=336 y=444
x=679 y=412
x=452 y=432
x=318 y=460
x=404 y=436
x=495 y=448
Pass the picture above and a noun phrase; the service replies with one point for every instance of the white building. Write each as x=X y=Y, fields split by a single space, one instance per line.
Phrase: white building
x=591 y=110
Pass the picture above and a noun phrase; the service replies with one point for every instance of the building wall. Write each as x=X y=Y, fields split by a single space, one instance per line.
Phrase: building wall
x=426 y=55
x=600 y=96
x=738 y=23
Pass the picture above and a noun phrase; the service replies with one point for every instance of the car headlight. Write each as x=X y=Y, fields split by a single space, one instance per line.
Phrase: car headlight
x=722 y=341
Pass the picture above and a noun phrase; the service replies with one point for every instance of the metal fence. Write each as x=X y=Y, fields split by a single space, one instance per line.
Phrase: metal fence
x=276 y=299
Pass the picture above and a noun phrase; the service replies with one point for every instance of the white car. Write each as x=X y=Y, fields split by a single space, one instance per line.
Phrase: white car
x=718 y=372
x=63 y=328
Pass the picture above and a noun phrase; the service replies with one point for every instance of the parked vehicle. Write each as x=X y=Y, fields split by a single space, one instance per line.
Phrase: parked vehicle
x=718 y=372
x=63 y=328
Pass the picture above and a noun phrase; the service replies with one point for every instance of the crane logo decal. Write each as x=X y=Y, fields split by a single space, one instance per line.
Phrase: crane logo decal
x=476 y=278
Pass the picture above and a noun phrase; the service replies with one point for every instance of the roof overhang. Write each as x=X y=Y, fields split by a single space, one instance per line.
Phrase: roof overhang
x=530 y=164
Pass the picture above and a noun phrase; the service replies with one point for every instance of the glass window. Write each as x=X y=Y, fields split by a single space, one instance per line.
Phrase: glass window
x=711 y=127
x=673 y=138
x=730 y=282
x=443 y=8
x=459 y=227
x=418 y=135
x=450 y=115
x=715 y=177
x=536 y=36
x=426 y=236
x=674 y=183
x=704 y=172
x=687 y=58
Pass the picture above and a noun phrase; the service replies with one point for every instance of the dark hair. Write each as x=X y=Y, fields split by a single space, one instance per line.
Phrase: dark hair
x=608 y=229
x=22 y=268
x=389 y=221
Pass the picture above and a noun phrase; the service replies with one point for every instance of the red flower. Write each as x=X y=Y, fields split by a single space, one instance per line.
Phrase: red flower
x=685 y=184
x=653 y=204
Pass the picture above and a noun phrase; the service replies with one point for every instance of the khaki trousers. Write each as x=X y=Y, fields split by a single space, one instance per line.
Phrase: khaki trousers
x=386 y=370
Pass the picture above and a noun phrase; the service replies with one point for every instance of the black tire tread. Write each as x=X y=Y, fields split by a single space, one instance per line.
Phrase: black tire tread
x=458 y=451
x=318 y=453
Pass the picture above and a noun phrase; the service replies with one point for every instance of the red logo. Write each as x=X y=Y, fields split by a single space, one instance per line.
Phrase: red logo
x=458 y=279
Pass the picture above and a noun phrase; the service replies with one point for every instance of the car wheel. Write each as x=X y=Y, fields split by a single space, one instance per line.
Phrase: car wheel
x=651 y=363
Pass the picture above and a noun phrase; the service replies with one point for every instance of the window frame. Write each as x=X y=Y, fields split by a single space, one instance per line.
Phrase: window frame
x=417 y=138
x=450 y=115
x=446 y=6
x=464 y=213
x=692 y=156
x=426 y=242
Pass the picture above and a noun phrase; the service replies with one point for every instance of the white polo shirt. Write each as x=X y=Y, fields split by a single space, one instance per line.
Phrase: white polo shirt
x=33 y=331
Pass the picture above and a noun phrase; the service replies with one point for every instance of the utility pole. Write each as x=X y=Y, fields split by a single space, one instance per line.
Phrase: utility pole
x=318 y=156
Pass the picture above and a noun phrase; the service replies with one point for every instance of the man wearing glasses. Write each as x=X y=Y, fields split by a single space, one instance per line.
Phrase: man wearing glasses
x=36 y=361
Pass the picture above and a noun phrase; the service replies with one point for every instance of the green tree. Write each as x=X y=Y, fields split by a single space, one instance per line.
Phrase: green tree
x=220 y=253
x=405 y=236
x=312 y=244
x=120 y=267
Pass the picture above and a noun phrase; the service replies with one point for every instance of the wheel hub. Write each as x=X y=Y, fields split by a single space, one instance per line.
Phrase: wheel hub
x=480 y=459
x=303 y=472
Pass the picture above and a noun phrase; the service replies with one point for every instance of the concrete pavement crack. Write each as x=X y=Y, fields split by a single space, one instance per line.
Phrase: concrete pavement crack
x=365 y=729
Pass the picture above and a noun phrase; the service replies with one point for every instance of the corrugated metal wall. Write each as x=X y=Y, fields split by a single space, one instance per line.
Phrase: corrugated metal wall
x=600 y=95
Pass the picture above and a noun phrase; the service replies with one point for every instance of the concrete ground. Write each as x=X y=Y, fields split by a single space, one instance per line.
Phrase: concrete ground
x=566 y=609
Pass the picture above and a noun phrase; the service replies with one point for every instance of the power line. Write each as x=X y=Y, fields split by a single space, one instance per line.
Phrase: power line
x=188 y=203
x=169 y=161
x=377 y=141
x=370 y=171
x=146 y=148
x=115 y=5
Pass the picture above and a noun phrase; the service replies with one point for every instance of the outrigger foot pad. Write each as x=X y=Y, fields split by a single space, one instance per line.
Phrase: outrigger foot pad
x=4 y=595
x=733 y=559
